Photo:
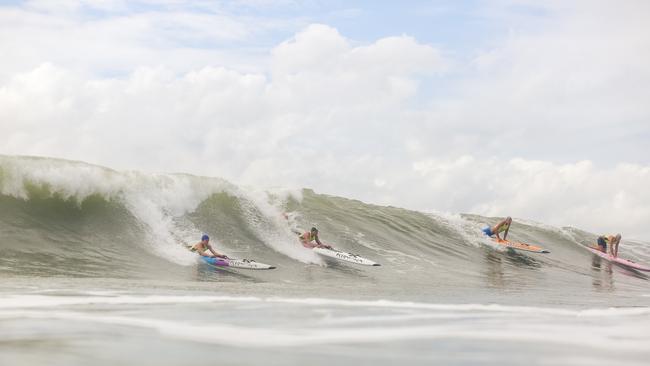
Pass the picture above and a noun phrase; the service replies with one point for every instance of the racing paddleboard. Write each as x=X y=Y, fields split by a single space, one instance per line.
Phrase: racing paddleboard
x=520 y=246
x=347 y=257
x=233 y=263
x=236 y=263
x=625 y=262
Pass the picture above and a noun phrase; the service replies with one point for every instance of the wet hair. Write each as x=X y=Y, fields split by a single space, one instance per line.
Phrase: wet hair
x=313 y=229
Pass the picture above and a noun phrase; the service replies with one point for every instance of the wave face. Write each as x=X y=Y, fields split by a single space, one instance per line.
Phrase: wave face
x=62 y=218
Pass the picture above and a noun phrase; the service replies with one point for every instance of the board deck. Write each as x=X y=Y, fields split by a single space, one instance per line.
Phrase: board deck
x=521 y=246
x=625 y=262
x=344 y=256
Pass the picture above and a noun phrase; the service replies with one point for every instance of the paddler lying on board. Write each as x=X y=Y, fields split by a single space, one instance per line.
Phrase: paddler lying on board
x=309 y=237
x=203 y=246
x=502 y=226
x=612 y=240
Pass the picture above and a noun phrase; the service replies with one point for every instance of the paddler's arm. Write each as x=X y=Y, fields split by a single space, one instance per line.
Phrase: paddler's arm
x=496 y=230
x=216 y=254
x=610 y=246
x=505 y=233
x=321 y=245
x=613 y=246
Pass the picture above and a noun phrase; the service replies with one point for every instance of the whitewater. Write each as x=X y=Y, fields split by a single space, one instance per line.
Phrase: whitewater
x=93 y=270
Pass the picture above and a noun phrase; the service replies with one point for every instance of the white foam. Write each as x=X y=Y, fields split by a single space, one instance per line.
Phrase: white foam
x=376 y=321
x=69 y=179
x=467 y=307
x=158 y=200
x=272 y=228
x=40 y=301
x=399 y=318
x=85 y=292
x=292 y=221
x=630 y=337
x=284 y=194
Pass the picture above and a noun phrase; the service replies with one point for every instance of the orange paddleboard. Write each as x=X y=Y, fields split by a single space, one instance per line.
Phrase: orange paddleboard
x=521 y=246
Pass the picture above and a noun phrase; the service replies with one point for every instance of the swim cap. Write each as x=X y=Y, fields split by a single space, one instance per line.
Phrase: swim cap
x=205 y=237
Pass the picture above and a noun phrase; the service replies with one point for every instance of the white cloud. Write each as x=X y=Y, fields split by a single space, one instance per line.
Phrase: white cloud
x=576 y=81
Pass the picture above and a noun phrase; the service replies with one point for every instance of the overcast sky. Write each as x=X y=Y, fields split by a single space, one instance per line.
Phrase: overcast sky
x=538 y=110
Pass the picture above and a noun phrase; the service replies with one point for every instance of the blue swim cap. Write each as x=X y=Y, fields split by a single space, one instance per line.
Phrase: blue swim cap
x=205 y=237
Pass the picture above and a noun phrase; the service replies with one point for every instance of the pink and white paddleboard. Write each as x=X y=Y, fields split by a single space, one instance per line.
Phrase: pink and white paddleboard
x=625 y=262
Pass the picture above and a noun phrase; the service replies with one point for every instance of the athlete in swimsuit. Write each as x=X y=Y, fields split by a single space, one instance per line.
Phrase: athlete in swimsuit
x=501 y=227
x=308 y=237
x=612 y=240
x=203 y=246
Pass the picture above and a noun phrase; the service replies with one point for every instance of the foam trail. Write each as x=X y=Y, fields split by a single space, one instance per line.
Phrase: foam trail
x=271 y=227
x=158 y=201
x=238 y=336
x=49 y=301
x=612 y=329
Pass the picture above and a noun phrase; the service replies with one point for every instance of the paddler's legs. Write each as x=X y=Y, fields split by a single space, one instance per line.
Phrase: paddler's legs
x=602 y=244
x=487 y=231
x=615 y=242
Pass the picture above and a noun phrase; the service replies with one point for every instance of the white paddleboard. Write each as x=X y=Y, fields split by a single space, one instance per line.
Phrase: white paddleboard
x=236 y=263
x=344 y=256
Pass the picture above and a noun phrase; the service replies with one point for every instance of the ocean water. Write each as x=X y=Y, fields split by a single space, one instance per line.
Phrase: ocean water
x=93 y=271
